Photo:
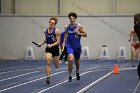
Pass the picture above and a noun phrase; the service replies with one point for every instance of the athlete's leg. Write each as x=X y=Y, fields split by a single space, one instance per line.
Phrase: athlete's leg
x=138 y=70
x=61 y=56
x=65 y=51
x=48 y=66
x=77 y=53
x=56 y=61
x=70 y=63
x=77 y=63
x=136 y=53
x=132 y=54
x=137 y=30
x=65 y=59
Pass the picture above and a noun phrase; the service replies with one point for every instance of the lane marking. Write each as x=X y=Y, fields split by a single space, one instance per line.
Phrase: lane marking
x=136 y=88
x=34 y=81
x=28 y=79
x=101 y=79
x=19 y=76
x=27 y=69
x=130 y=68
x=94 y=83
x=65 y=81
x=18 y=70
x=29 y=82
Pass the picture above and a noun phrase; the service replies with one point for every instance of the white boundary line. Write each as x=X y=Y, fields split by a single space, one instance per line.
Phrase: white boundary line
x=94 y=83
x=27 y=69
x=29 y=82
x=28 y=79
x=65 y=81
x=131 y=68
x=135 y=90
x=18 y=70
x=100 y=79
x=60 y=83
x=22 y=75
x=19 y=76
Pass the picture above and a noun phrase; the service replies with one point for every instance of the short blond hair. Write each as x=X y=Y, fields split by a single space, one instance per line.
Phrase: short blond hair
x=54 y=18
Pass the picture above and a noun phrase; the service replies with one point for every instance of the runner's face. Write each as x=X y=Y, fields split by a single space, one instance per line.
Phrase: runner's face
x=52 y=23
x=72 y=20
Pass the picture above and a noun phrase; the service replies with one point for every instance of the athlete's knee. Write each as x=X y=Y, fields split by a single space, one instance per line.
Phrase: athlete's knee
x=48 y=63
x=71 y=59
x=48 y=59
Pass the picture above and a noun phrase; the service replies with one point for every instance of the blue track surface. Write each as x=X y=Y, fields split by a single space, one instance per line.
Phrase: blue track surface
x=29 y=77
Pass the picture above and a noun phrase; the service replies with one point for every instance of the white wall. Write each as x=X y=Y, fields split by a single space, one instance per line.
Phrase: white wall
x=62 y=7
x=17 y=33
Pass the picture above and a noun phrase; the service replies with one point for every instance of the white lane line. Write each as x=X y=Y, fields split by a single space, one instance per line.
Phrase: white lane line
x=17 y=82
x=27 y=69
x=65 y=81
x=101 y=79
x=94 y=83
x=28 y=82
x=18 y=70
x=136 y=88
x=19 y=76
x=24 y=75
x=131 y=68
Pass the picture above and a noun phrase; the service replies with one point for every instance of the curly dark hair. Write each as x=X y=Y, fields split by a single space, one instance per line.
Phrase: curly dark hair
x=72 y=14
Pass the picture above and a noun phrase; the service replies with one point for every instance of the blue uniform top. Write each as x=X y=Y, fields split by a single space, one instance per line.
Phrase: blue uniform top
x=73 y=40
x=50 y=37
x=62 y=38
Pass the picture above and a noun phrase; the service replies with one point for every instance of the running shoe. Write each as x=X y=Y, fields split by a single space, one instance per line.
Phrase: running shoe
x=78 y=76
x=133 y=66
x=66 y=62
x=70 y=78
x=48 y=81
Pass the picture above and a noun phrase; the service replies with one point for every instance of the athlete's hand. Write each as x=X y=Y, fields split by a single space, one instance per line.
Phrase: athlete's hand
x=39 y=44
x=77 y=31
x=63 y=44
x=129 y=39
x=137 y=42
x=49 y=45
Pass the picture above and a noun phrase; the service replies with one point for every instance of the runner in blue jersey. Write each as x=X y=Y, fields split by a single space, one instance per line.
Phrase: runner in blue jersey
x=52 y=41
x=73 y=34
x=63 y=48
x=137 y=30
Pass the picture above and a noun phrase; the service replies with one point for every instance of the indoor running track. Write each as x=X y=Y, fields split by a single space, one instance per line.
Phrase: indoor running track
x=19 y=76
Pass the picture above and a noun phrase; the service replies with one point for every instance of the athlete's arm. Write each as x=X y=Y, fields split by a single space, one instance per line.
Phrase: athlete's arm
x=81 y=31
x=43 y=42
x=65 y=36
x=129 y=39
